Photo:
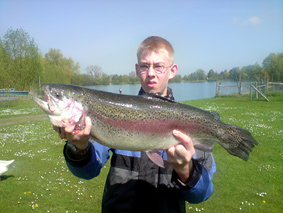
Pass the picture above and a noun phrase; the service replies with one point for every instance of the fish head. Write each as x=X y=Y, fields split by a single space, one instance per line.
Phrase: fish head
x=62 y=104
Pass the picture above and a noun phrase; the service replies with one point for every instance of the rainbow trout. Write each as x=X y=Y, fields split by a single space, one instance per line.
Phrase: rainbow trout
x=141 y=123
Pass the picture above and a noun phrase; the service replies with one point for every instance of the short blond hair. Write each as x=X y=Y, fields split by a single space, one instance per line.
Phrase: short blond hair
x=156 y=43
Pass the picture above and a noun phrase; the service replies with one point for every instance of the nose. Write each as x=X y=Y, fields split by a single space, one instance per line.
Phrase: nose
x=151 y=71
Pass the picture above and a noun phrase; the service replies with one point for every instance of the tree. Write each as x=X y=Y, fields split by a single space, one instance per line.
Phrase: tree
x=57 y=68
x=270 y=64
x=252 y=71
x=234 y=74
x=177 y=78
x=224 y=75
x=212 y=75
x=94 y=71
x=75 y=67
x=105 y=79
x=280 y=66
x=133 y=79
x=3 y=72
x=200 y=74
x=263 y=76
x=22 y=60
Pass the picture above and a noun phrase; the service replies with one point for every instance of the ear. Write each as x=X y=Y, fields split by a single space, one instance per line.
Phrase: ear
x=137 y=70
x=173 y=71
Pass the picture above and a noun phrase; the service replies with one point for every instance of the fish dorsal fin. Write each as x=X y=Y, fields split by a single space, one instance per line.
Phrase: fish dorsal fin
x=158 y=96
x=215 y=115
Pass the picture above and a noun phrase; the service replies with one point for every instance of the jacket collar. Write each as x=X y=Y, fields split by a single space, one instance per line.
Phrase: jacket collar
x=169 y=95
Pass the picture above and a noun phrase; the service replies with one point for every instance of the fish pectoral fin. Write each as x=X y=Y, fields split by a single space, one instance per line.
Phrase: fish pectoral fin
x=80 y=125
x=155 y=158
x=56 y=121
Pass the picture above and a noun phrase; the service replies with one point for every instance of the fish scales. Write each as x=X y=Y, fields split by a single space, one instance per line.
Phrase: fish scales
x=145 y=123
x=167 y=118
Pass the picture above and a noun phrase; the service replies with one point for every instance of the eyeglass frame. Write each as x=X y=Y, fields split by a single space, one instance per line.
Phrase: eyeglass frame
x=153 y=66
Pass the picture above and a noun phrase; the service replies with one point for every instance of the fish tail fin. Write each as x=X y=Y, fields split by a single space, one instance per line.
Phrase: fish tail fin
x=243 y=144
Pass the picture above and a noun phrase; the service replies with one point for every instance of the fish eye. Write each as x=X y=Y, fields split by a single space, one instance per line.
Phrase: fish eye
x=56 y=94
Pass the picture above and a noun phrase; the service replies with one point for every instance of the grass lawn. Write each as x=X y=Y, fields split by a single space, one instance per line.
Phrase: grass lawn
x=39 y=179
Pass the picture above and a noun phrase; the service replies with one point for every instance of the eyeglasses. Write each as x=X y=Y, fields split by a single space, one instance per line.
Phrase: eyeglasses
x=159 y=69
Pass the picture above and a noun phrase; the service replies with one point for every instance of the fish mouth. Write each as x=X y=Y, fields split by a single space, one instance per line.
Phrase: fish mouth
x=42 y=104
x=49 y=106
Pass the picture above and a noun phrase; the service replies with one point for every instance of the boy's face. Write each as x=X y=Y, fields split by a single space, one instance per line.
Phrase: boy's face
x=150 y=80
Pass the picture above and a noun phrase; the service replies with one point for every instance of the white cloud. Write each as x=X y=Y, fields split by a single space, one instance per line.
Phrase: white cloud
x=254 y=20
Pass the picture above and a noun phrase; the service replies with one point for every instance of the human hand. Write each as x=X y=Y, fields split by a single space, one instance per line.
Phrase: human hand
x=78 y=137
x=180 y=156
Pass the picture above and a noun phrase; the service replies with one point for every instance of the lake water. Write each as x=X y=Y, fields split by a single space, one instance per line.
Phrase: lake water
x=182 y=91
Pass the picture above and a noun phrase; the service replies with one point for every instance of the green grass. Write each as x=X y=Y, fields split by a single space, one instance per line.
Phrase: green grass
x=39 y=179
x=256 y=185
x=21 y=106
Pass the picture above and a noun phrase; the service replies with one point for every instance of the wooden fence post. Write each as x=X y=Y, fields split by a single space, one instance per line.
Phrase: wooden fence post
x=219 y=87
x=260 y=93
x=251 y=95
x=216 y=88
x=256 y=93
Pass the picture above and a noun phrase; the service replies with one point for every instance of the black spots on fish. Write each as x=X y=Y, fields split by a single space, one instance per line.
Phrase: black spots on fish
x=116 y=115
x=232 y=136
x=115 y=130
x=86 y=102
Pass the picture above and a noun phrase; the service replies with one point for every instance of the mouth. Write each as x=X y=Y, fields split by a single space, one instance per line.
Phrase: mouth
x=151 y=84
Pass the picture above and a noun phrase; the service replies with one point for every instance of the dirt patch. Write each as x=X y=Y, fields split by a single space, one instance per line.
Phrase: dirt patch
x=5 y=98
x=21 y=119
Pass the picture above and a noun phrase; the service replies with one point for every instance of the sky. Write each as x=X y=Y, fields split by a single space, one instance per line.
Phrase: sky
x=205 y=34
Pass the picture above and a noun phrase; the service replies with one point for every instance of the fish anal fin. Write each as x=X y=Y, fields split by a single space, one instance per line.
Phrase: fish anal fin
x=155 y=158
x=204 y=145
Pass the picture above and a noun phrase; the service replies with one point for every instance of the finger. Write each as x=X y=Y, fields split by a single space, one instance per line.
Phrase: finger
x=61 y=133
x=69 y=129
x=183 y=138
x=182 y=153
x=175 y=156
x=88 y=126
x=85 y=130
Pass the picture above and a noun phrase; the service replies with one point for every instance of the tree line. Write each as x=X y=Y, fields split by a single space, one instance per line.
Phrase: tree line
x=23 y=67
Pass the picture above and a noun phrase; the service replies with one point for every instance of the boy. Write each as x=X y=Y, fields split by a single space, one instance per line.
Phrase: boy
x=134 y=182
